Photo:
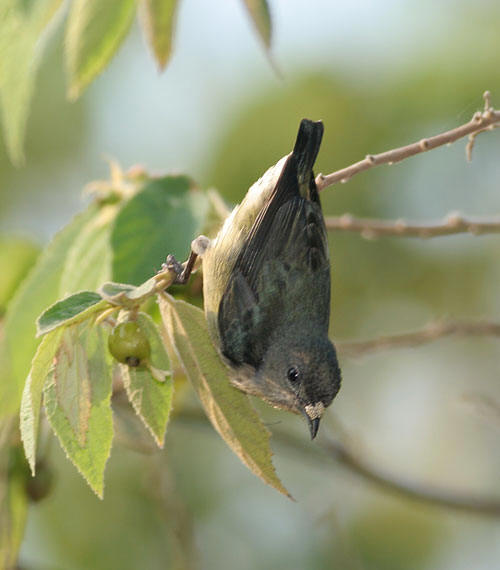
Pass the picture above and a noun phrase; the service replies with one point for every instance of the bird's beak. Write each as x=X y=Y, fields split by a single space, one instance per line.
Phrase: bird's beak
x=313 y=413
x=313 y=426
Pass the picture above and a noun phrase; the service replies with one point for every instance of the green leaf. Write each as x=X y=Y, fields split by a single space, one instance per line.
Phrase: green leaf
x=157 y=18
x=151 y=399
x=95 y=30
x=127 y=295
x=228 y=409
x=143 y=291
x=74 y=308
x=21 y=26
x=32 y=395
x=89 y=259
x=261 y=17
x=112 y=292
x=38 y=291
x=163 y=218
x=71 y=375
x=13 y=503
x=16 y=258
x=77 y=398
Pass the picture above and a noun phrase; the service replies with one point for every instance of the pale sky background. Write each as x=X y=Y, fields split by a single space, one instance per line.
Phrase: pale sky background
x=218 y=64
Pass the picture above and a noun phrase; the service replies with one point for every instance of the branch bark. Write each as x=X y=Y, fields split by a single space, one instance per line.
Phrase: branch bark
x=431 y=332
x=481 y=121
x=454 y=223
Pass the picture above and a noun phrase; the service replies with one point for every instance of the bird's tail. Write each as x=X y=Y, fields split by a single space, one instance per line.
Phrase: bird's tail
x=306 y=148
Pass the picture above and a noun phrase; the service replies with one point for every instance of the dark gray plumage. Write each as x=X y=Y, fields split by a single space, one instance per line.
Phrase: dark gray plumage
x=267 y=288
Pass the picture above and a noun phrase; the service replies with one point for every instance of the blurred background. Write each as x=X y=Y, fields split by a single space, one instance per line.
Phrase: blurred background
x=380 y=75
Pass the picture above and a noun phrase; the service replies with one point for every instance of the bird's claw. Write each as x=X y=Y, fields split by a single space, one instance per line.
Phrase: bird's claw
x=171 y=264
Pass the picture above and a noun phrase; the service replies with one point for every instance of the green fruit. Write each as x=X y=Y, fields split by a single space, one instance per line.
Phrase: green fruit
x=128 y=344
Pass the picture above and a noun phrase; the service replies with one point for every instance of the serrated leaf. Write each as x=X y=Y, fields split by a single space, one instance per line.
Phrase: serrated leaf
x=95 y=30
x=21 y=27
x=151 y=399
x=38 y=291
x=157 y=18
x=228 y=409
x=32 y=395
x=261 y=17
x=74 y=308
x=163 y=218
x=88 y=263
x=77 y=398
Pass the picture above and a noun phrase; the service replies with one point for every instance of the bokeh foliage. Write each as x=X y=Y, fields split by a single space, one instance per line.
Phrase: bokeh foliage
x=379 y=287
x=93 y=33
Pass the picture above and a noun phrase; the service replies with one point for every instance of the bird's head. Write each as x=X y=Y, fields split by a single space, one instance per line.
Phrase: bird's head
x=303 y=377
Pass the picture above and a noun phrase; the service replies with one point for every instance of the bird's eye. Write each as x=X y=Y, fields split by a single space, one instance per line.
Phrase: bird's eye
x=293 y=374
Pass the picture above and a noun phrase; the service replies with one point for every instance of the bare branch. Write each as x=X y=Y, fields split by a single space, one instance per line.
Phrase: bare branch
x=431 y=332
x=472 y=140
x=328 y=449
x=427 y=493
x=482 y=406
x=472 y=136
x=454 y=223
x=480 y=122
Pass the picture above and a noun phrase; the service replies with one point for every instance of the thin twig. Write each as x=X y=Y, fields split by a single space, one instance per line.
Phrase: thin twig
x=472 y=140
x=482 y=406
x=431 y=332
x=472 y=137
x=480 y=122
x=328 y=449
x=453 y=223
x=427 y=493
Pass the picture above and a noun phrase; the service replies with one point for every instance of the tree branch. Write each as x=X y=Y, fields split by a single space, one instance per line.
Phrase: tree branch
x=328 y=449
x=453 y=223
x=431 y=332
x=482 y=406
x=427 y=493
x=481 y=121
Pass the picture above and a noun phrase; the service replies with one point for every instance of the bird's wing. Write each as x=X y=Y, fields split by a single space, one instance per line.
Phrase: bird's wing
x=284 y=250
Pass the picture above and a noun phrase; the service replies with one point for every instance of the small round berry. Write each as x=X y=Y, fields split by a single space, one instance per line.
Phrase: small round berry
x=128 y=344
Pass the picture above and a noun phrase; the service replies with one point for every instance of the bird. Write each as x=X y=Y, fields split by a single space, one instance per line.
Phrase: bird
x=266 y=287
